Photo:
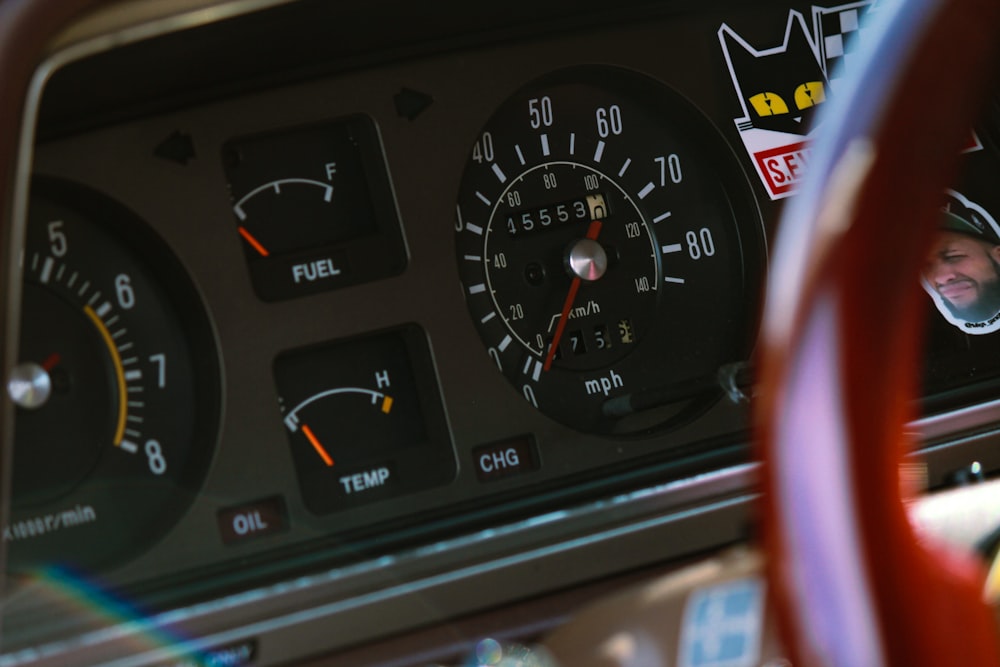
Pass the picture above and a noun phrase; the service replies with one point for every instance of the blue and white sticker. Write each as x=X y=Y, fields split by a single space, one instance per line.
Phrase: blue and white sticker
x=723 y=625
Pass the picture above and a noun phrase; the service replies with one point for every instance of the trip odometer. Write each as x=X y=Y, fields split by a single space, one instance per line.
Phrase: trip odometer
x=608 y=247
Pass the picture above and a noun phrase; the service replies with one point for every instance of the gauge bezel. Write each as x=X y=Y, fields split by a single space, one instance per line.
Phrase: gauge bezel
x=423 y=459
x=376 y=251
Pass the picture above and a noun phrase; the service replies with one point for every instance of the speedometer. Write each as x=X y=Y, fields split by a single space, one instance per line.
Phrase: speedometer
x=609 y=250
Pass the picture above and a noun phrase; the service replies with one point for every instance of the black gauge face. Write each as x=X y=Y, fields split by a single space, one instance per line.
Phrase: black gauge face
x=116 y=387
x=364 y=419
x=314 y=207
x=608 y=248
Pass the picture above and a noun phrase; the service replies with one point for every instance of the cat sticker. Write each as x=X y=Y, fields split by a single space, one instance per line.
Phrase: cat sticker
x=780 y=88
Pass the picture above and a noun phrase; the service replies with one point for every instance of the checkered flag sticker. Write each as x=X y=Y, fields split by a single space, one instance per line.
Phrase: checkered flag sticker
x=838 y=33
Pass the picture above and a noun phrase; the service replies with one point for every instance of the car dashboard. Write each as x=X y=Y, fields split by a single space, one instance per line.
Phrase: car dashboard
x=341 y=322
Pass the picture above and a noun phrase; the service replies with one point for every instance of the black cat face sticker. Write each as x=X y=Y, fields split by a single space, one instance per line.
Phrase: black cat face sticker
x=779 y=88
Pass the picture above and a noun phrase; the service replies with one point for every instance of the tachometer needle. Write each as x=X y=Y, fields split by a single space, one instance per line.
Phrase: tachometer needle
x=51 y=362
x=593 y=231
x=314 y=441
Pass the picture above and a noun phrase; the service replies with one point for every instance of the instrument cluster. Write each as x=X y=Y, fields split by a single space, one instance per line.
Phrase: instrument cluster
x=304 y=324
x=365 y=319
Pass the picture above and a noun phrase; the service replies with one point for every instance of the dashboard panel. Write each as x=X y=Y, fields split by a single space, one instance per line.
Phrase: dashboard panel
x=382 y=378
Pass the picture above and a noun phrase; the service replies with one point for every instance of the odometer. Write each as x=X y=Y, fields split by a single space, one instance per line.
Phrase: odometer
x=608 y=248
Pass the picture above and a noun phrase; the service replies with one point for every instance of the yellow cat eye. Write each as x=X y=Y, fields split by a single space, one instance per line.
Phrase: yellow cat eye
x=768 y=104
x=809 y=94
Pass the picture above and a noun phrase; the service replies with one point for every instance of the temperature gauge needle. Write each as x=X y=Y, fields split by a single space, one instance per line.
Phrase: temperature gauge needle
x=593 y=231
x=318 y=446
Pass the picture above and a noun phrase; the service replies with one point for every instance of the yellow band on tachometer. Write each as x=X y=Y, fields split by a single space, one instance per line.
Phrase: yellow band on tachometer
x=116 y=361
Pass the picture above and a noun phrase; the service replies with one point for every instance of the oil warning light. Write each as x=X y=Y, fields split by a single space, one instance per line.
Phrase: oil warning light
x=314 y=208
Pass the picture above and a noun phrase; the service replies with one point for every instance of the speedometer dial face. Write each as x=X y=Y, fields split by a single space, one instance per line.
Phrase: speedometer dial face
x=609 y=249
x=116 y=387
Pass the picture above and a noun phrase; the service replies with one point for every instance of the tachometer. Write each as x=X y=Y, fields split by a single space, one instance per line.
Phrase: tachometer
x=608 y=248
x=116 y=387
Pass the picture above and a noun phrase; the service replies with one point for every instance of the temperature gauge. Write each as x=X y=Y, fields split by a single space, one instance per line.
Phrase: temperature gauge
x=314 y=208
x=364 y=419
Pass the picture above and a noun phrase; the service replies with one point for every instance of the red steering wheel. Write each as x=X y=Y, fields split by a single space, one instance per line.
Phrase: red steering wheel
x=853 y=584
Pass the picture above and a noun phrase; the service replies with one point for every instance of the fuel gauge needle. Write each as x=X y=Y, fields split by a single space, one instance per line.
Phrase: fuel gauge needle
x=593 y=231
x=318 y=446
x=254 y=243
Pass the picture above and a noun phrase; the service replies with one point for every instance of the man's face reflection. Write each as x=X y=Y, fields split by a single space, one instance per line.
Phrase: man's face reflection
x=966 y=273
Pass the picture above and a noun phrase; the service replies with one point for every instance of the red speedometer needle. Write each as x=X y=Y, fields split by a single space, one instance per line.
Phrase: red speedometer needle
x=592 y=233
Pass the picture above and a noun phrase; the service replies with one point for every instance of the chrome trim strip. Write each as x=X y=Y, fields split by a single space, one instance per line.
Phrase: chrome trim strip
x=947 y=424
x=391 y=578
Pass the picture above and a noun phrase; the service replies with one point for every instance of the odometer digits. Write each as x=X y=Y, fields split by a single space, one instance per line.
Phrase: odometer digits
x=591 y=207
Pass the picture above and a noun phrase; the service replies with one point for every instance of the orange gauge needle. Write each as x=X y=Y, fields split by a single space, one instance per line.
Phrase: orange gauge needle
x=314 y=441
x=592 y=233
x=257 y=245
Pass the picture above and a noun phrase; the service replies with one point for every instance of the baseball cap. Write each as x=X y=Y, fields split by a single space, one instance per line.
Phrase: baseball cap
x=970 y=223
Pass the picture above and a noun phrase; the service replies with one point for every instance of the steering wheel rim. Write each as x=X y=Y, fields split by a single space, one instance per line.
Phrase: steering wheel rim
x=851 y=581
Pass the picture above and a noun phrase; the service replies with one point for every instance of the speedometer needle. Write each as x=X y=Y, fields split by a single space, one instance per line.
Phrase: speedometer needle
x=592 y=233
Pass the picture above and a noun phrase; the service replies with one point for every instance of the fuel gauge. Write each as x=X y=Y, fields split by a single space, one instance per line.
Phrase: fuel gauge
x=364 y=419
x=314 y=208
